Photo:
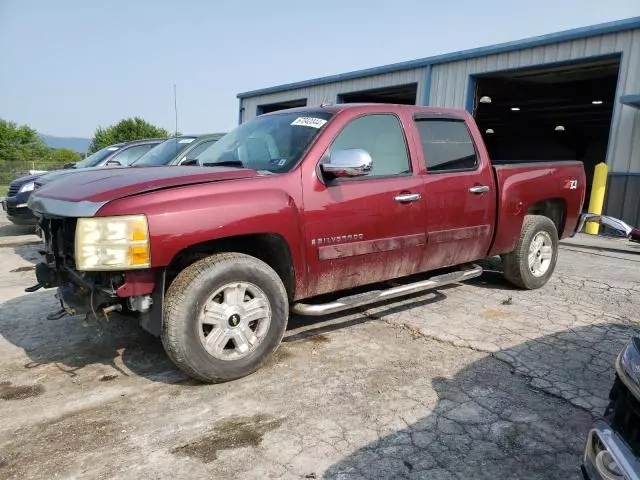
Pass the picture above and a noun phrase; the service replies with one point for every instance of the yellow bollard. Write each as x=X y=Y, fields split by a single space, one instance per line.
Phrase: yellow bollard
x=596 y=200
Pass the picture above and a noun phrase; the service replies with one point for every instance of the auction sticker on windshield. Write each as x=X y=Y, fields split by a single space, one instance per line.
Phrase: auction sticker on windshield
x=309 y=122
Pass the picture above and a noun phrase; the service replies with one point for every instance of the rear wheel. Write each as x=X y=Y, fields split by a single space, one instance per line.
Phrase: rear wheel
x=224 y=316
x=534 y=259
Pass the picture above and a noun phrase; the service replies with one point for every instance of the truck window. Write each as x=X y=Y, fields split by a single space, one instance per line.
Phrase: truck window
x=447 y=145
x=381 y=135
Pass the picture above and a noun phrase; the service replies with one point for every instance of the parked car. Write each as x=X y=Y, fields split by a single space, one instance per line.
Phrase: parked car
x=172 y=151
x=613 y=445
x=302 y=202
x=182 y=150
x=20 y=189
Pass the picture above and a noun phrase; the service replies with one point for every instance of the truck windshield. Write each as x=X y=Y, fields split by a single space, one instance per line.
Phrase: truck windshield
x=95 y=158
x=165 y=152
x=273 y=143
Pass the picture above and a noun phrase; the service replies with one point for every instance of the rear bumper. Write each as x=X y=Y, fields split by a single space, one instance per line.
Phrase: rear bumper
x=602 y=438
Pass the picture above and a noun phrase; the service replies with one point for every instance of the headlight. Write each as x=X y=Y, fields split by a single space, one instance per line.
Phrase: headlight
x=112 y=243
x=27 y=187
x=630 y=360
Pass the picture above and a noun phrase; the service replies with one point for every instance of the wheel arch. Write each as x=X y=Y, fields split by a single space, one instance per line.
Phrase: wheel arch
x=554 y=208
x=271 y=248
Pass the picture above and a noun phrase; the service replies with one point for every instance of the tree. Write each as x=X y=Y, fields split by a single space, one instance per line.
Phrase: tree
x=125 y=131
x=62 y=156
x=19 y=143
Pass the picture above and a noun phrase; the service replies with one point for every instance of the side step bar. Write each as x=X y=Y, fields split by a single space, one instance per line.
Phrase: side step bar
x=379 y=295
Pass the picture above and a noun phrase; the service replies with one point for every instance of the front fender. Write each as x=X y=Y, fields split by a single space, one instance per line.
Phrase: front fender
x=186 y=216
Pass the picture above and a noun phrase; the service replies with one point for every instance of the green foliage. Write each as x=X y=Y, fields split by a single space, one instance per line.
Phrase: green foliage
x=63 y=156
x=19 y=143
x=21 y=150
x=125 y=131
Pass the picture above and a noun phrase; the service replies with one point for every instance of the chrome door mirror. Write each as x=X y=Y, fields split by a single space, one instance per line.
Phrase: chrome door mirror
x=352 y=162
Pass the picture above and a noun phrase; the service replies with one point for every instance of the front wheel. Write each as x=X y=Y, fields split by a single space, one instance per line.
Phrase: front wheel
x=534 y=259
x=224 y=316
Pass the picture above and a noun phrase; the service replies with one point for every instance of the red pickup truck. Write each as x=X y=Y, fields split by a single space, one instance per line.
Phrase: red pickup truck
x=290 y=206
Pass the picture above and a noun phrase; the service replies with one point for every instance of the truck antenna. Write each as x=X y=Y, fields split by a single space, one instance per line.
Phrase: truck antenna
x=175 y=107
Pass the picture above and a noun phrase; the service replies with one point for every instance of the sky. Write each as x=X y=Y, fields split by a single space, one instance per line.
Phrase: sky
x=69 y=66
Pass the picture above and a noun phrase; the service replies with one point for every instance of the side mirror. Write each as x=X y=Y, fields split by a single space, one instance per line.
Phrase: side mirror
x=113 y=163
x=67 y=166
x=190 y=162
x=348 y=163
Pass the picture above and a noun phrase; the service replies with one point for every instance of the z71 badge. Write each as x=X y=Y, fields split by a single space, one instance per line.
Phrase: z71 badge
x=570 y=184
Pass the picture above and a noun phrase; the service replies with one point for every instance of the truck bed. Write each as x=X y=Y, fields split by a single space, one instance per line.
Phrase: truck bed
x=532 y=183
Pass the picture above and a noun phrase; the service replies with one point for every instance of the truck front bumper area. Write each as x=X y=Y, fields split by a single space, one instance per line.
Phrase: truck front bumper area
x=98 y=294
x=607 y=456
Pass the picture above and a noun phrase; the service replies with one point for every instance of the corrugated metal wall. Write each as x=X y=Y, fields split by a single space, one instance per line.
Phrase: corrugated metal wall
x=330 y=91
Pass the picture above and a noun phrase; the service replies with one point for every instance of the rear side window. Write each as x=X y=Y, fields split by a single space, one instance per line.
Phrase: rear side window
x=381 y=135
x=447 y=145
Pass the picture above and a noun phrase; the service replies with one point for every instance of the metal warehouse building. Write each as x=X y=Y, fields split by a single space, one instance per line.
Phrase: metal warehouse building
x=566 y=95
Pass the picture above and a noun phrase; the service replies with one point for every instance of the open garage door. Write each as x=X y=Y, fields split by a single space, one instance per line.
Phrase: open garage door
x=399 y=94
x=274 y=107
x=559 y=113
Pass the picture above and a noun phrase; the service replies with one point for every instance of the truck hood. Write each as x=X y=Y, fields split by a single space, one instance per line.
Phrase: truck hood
x=100 y=186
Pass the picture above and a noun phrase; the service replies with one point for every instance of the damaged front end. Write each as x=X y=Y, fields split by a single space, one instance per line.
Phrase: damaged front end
x=94 y=294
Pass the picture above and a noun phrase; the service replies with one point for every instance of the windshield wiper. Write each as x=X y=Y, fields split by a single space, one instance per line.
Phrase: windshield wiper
x=225 y=163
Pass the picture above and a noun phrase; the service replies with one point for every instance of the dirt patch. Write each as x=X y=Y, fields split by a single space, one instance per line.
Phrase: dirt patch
x=19 y=392
x=494 y=314
x=23 y=269
x=229 y=434
x=107 y=378
x=54 y=446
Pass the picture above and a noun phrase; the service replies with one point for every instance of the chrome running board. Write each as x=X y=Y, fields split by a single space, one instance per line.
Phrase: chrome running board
x=359 y=299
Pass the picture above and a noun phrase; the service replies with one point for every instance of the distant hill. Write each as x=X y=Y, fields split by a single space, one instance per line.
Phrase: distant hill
x=73 y=143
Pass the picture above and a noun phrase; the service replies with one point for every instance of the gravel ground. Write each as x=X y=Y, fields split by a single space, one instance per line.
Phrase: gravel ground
x=470 y=381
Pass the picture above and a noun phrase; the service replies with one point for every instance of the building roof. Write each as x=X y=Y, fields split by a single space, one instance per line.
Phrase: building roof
x=567 y=35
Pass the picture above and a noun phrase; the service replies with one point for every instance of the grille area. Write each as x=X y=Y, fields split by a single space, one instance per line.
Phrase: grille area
x=624 y=415
x=13 y=190
x=59 y=236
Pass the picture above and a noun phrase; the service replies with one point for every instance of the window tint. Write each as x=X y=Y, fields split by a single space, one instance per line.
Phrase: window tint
x=126 y=156
x=381 y=135
x=198 y=149
x=447 y=145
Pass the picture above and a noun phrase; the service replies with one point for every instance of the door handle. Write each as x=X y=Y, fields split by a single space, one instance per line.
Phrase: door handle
x=478 y=189
x=408 y=197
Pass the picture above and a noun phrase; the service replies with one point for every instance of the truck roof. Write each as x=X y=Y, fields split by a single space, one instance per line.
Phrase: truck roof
x=365 y=107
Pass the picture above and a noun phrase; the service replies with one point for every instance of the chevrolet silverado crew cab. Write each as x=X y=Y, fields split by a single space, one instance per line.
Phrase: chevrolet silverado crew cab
x=290 y=206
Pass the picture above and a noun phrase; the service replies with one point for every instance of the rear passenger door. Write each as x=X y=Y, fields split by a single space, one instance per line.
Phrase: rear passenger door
x=459 y=192
x=371 y=228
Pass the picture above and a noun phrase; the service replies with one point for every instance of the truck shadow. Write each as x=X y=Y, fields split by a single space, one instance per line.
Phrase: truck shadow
x=11 y=230
x=301 y=327
x=512 y=414
x=70 y=344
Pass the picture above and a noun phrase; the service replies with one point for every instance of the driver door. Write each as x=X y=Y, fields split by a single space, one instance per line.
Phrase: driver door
x=366 y=229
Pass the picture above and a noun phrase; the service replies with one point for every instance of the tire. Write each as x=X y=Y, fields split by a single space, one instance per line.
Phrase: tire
x=183 y=334
x=517 y=269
